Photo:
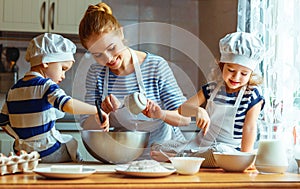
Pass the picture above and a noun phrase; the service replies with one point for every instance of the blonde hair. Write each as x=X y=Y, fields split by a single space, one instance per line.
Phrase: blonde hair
x=98 y=19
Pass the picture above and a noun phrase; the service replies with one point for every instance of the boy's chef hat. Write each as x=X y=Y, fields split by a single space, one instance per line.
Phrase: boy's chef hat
x=241 y=48
x=48 y=48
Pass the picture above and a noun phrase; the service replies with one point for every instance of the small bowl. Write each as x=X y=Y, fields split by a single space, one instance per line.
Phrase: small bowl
x=135 y=102
x=234 y=162
x=187 y=165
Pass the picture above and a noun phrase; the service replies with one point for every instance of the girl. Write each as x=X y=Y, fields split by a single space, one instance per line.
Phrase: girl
x=228 y=123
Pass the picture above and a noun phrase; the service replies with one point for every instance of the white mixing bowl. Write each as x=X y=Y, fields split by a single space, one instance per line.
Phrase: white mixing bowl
x=186 y=165
x=234 y=162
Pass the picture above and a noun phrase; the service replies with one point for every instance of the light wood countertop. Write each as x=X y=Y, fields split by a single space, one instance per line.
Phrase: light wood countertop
x=105 y=177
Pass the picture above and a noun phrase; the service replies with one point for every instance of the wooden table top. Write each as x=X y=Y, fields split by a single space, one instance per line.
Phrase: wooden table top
x=206 y=178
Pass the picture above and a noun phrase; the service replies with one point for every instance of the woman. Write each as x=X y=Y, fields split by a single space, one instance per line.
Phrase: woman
x=121 y=71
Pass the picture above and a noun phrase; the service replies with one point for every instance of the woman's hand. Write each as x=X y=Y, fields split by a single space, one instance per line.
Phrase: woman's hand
x=110 y=104
x=105 y=124
x=153 y=110
x=202 y=120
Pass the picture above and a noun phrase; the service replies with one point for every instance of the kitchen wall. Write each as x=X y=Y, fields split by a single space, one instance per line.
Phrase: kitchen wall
x=176 y=30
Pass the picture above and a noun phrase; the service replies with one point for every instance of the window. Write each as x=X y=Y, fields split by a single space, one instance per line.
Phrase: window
x=275 y=21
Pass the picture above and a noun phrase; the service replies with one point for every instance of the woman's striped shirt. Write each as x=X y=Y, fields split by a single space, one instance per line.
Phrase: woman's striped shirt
x=250 y=98
x=159 y=81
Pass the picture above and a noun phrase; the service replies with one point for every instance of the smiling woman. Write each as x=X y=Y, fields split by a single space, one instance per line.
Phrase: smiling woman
x=118 y=71
x=102 y=52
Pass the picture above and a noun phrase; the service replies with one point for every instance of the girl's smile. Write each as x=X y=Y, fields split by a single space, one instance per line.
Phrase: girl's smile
x=235 y=76
x=233 y=82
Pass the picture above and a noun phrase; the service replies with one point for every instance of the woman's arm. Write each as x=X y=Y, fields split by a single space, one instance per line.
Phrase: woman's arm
x=250 y=127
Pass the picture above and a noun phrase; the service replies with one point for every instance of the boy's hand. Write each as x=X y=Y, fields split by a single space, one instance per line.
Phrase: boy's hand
x=105 y=124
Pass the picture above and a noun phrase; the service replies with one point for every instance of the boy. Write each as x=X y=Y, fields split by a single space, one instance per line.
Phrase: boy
x=36 y=101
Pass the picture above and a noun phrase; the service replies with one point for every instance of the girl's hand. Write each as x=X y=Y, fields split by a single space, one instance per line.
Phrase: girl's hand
x=153 y=110
x=110 y=104
x=202 y=120
x=105 y=124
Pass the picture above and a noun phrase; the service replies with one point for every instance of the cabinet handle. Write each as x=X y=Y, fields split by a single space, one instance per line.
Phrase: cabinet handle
x=42 y=15
x=52 y=16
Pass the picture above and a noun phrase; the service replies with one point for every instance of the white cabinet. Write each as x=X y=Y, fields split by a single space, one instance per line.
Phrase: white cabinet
x=57 y=16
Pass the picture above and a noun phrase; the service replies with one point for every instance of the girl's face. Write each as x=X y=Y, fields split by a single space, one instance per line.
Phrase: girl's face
x=56 y=70
x=107 y=49
x=235 y=76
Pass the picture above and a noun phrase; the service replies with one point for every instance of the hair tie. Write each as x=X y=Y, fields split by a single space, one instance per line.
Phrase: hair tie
x=100 y=7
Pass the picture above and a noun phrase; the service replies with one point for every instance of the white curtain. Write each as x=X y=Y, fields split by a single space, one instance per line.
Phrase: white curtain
x=275 y=21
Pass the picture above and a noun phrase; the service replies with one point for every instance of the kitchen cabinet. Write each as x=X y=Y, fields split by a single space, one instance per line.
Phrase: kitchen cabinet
x=56 y=16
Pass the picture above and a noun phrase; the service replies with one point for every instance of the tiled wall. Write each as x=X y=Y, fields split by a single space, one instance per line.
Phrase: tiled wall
x=169 y=19
x=169 y=28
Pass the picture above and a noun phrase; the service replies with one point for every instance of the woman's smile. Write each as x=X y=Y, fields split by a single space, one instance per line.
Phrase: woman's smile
x=115 y=63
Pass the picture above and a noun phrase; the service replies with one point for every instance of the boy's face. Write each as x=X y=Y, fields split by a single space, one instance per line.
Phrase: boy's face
x=56 y=70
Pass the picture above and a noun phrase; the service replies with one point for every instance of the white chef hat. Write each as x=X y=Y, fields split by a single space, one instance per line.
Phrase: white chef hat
x=241 y=48
x=49 y=47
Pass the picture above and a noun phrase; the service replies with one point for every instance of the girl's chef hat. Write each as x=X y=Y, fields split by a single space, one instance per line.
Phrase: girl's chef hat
x=241 y=48
x=48 y=48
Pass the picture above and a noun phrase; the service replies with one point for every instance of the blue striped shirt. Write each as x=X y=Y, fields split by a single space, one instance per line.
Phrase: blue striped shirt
x=250 y=98
x=31 y=108
x=159 y=81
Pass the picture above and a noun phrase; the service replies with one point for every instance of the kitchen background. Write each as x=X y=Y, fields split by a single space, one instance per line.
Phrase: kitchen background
x=204 y=20
x=208 y=20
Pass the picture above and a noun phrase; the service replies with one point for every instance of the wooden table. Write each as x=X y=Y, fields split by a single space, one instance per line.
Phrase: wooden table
x=206 y=178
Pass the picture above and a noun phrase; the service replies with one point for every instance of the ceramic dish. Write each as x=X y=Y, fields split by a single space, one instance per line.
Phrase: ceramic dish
x=187 y=165
x=234 y=161
x=144 y=174
x=46 y=172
